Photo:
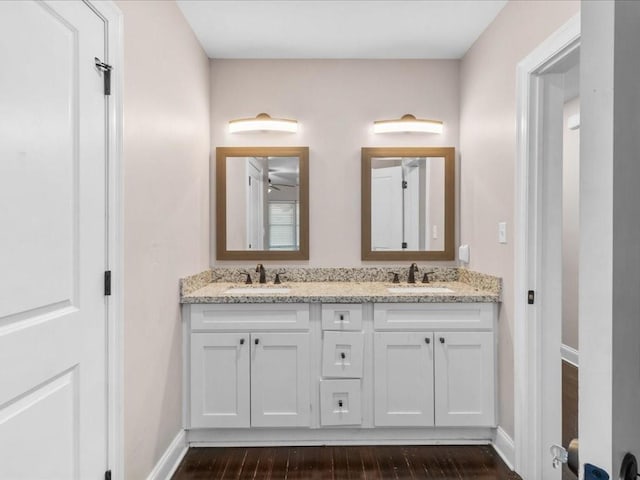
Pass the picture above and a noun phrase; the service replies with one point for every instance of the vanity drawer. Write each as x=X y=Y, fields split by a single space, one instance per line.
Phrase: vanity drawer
x=340 y=402
x=249 y=317
x=342 y=354
x=341 y=317
x=429 y=316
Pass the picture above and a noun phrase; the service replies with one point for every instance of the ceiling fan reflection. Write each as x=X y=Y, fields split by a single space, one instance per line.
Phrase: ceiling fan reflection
x=276 y=186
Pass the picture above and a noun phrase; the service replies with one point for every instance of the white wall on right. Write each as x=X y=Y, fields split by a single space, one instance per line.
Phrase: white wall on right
x=609 y=383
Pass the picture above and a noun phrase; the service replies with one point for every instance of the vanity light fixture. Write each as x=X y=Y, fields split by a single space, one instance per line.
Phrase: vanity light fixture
x=408 y=123
x=263 y=122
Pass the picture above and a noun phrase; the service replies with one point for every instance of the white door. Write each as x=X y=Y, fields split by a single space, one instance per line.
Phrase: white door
x=386 y=208
x=464 y=379
x=280 y=380
x=53 y=391
x=403 y=377
x=413 y=223
x=220 y=380
x=255 y=207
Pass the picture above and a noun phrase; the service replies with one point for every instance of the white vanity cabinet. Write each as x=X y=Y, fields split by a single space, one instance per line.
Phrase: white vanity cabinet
x=403 y=371
x=342 y=365
x=220 y=381
x=256 y=376
x=464 y=379
x=435 y=365
x=301 y=374
x=280 y=379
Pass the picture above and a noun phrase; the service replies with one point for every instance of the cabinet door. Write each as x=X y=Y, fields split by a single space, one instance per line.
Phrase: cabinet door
x=403 y=371
x=220 y=380
x=464 y=379
x=280 y=380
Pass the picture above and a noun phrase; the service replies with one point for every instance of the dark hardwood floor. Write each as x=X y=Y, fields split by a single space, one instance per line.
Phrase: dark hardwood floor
x=338 y=463
x=569 y=411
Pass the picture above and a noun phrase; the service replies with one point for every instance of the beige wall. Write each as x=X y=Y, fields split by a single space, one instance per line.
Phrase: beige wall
x=488 y=147
x=570 y=225
x=335 y=102
x=166 y=151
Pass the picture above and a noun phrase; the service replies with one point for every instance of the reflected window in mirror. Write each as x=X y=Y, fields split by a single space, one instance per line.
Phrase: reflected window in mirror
x=408 y=203
x=262 y=203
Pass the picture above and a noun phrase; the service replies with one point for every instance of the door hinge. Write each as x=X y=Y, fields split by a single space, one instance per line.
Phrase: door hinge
x=106 y=74
x=404 y=184
x=107 y=475
x=404 y=245
x=107 y=283
x=531 y=297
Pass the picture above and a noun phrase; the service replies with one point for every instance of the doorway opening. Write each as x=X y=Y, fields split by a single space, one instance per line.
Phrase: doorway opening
x=547 y=246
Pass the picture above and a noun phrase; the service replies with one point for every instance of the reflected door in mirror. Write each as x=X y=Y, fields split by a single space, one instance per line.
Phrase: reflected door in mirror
x=408 y=197
x=407 y=204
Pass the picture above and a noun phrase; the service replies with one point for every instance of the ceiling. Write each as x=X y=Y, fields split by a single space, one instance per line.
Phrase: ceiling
x=338 y=28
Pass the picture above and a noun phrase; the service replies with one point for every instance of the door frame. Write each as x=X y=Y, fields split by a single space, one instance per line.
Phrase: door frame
x=529 y=332
x=109 y=12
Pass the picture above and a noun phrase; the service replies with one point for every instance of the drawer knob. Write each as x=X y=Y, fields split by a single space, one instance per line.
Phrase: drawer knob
x=441 y=339
x=341 y=317
x=340 y=403
x=427 y=340
x=256 y=341
x=242 y=341
x=342 y=355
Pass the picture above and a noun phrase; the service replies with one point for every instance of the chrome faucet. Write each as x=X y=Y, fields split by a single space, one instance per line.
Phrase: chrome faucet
x=263 y=276
x=412 y=273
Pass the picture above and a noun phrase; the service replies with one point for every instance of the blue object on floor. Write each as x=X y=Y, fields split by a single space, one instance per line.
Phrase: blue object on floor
x=591 y=472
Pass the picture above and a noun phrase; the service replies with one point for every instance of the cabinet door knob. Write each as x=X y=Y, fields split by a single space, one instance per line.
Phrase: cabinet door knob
x=340 y=403
x=256 y=341
x=242 y=341
x=342 y=355
x=341 y=317
x=441 y=339
x=427 y=340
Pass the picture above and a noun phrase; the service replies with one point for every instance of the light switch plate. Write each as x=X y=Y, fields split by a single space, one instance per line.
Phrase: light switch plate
x=502 y=232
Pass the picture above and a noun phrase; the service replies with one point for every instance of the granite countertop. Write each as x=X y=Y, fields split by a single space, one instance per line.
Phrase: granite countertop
x=340 y=292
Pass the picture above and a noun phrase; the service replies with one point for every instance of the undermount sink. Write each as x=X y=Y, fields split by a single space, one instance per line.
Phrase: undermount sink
x=419 y=290
x=256 y=290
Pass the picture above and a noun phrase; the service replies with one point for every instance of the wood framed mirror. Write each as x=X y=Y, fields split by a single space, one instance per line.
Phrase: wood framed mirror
x=408 y=203
x=262 y=203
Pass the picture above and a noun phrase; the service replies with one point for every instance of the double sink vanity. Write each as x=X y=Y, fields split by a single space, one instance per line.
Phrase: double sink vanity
x=302 y=355
x=337 y=355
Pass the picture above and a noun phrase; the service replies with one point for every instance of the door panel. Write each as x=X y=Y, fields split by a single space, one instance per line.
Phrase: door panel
x=220 y=380
x=34 y=408
x=386 y=208
x=52 y=250
x=464 y=379
x=403 y=379
x=280 y=380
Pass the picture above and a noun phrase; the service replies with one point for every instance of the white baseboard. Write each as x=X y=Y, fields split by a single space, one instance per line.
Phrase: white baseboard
x=228 y=437
x=570 y=355
x=170 y=459
x=504 y=446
